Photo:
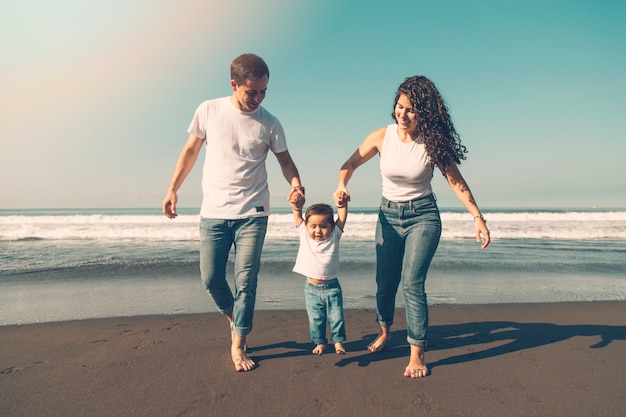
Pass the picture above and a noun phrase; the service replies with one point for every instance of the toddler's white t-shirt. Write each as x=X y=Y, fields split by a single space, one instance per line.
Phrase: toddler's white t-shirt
x=318 y=260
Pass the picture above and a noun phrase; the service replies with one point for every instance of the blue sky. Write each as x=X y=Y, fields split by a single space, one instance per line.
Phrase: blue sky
x=96 y=97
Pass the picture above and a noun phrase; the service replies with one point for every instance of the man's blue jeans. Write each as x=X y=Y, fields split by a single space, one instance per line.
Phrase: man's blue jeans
x=323 y=302
x=407 y=236
x=216 y=239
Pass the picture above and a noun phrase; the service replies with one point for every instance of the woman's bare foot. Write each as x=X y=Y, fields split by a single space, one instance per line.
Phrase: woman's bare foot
x=417 y=365
x=319 y=349
x=383 y=338
x=339 y=349
x=238 y=353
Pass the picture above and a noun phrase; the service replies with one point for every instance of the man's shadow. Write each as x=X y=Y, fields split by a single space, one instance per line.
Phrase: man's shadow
x=520 y=336
x=289 y=349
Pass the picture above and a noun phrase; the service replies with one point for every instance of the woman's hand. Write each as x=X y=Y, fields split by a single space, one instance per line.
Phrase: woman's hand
x=341 y=197
x=480 y=227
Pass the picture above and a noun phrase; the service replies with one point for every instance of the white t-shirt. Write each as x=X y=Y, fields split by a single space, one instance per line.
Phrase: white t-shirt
x=318 y=260
x=234 y=177
x=405 y=168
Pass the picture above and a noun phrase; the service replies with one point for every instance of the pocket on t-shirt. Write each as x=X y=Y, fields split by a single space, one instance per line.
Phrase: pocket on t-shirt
x=252 y=147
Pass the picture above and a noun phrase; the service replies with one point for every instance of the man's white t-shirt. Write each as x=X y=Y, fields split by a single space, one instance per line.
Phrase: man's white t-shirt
x=234 y=178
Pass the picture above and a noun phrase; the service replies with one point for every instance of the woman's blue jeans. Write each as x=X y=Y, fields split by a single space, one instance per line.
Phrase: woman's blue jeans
x=323 y=302
x=216 y=239
x=407 y=236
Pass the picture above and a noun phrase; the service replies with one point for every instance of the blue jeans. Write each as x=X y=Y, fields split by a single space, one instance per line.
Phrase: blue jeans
x=216 y=238
x=407 y=236
x=322 y=302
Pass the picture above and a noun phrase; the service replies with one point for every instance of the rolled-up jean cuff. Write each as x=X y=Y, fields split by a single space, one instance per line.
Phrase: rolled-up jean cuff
x=414 y=342
x=384 y=324
x=241 y=331
x=227 y=311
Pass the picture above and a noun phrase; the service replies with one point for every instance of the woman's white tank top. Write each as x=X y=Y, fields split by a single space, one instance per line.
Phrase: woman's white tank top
x=405 y=168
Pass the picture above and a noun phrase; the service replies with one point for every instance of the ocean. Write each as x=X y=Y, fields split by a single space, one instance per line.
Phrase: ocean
x=58 y=265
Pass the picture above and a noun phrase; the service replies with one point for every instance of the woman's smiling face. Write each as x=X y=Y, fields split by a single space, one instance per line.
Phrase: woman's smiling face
x=406 y=115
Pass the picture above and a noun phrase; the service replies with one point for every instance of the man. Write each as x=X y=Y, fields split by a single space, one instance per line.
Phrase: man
x=238 y=134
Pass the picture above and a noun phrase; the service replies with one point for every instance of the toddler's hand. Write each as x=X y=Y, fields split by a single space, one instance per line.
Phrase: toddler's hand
x=297 y=205
x=296 y=196
x=341 y=198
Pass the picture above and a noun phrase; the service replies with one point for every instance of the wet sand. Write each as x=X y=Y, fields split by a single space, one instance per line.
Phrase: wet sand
x=553 y=359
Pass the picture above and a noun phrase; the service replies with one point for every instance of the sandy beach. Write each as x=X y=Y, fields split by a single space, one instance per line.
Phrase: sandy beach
x=553 y=359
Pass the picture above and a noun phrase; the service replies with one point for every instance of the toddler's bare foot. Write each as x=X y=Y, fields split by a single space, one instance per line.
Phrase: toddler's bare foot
x=319 y=349
x=339 y=349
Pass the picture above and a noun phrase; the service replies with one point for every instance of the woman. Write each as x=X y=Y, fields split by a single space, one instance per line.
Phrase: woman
x=409 y=226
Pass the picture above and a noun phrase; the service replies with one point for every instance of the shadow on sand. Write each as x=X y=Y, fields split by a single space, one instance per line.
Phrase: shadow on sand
x=482 y=335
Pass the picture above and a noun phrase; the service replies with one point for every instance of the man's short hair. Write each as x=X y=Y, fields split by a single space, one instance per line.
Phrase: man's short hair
x=248 y=67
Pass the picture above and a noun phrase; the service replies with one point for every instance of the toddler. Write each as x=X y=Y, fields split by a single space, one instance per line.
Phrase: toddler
x=318 y=261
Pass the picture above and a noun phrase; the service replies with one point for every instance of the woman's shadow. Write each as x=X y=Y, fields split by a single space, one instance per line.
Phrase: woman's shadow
x=520 y=336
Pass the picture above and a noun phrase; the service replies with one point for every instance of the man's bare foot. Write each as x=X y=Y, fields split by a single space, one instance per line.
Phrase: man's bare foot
x=339 y=349
x=379 y=343
x=417 y=366
x=245 y=345
x=238 y=353
x=231 y=324
x=319 y=349
x=242 y=362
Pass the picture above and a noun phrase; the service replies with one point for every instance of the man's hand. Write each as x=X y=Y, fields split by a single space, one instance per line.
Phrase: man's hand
x=296 y=197
x=169 y=205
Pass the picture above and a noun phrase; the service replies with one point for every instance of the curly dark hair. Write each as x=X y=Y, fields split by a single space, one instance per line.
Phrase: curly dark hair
x=442 y=142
